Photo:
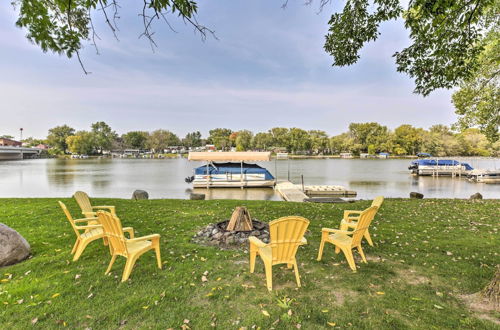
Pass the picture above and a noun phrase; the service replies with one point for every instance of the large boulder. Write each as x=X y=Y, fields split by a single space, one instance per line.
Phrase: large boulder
x=140 y=194
x=418 y=195
x=13 y=247
x=476 y=196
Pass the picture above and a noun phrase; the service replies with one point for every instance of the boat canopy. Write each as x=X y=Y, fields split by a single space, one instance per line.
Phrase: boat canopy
x=230 y=156
x=440 y=162
x=234 y=168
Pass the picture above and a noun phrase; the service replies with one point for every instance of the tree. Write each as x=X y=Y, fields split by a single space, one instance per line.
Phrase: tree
x=474 y=143
x=161 y=139
x=477 y=102
x=366 y=134
x=299 y=140
x=32 y=142
x=81 y=143
x=10 y=137
x=280 y=137
x=408 y=140
x=192 y=140
x=136 y=139
x=244 y=140
x=262 y=141
x=220 y=138
x=58 y=135
x=319 y=141
x=445 y=36
x=103 y=136
x=342 y=143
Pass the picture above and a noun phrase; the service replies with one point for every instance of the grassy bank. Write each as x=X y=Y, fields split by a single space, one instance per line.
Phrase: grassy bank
x=428 y=253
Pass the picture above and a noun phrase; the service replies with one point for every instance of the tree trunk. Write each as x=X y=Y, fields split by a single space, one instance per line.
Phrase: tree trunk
x=492 y=290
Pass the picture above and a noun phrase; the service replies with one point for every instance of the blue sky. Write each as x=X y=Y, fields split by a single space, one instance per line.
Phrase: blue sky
x=266 y=69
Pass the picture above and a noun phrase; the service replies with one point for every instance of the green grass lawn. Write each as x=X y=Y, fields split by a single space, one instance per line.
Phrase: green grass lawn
x=427 y=254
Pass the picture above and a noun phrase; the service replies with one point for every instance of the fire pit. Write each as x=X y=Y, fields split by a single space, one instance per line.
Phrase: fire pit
x=233 y=233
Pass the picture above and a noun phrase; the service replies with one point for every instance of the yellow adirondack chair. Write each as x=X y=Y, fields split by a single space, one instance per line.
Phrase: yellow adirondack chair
x=351 y=218
x=347 y=240
x=131 y=248
x=287 y=234
x=91 y=231
x=87 y=209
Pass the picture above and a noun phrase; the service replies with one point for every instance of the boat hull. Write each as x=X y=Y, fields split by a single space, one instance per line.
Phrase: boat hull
x=233 y=184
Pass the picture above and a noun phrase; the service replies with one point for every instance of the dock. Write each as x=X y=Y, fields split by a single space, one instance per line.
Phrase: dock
x=294 y=193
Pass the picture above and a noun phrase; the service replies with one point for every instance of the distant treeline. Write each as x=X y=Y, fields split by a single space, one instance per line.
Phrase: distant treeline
x=369 y=138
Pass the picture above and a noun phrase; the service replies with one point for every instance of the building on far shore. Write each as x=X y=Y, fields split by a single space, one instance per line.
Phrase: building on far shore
x=9 y=143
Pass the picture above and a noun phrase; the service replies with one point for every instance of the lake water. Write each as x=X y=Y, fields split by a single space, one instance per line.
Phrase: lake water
x=164 y=178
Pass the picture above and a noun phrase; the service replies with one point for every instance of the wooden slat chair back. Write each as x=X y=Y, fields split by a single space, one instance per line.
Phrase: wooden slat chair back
x=364 y=222
x=351 y=218
x=113 y=231
x=83 y=201
x=130 y=248
x=85 y=234
x=345 y=240
x=286 y=235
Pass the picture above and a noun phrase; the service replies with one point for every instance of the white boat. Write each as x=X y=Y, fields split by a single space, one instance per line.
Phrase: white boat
x=439 y=167
x=229 y=170
x=485 y=176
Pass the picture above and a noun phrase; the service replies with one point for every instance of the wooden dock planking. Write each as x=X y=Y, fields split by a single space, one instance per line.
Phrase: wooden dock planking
x=290 y=192
x=293 y=193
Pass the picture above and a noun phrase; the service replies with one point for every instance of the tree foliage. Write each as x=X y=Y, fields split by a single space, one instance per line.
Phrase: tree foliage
x=477 y=102
x=82 y=143
x=103 y=136
x=136 y=139
x=445 y=37
x=58 y=135
x=161 y=139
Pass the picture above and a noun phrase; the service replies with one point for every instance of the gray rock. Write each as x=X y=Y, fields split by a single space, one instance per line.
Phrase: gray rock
x=13 y=247
x=217 y=236
x=230 y=240
x=418 y=195
x=476 y=196
x=255 y=233
x=197 y=197
x=140 y=194
x=215 y=231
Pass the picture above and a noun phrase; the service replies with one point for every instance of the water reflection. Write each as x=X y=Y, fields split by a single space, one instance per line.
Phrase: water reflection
x=164 y=178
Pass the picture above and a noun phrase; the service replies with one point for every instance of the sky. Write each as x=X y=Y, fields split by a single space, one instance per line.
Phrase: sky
x=267 y=68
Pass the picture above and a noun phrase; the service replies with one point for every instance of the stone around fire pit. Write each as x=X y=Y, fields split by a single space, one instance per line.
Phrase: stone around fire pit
x=216 y=235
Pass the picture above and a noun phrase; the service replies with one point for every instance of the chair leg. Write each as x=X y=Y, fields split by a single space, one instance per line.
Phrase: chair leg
x=113 y=258
x=289 y=266
x=360 y=250
x=158 y=255
x=368 y=238
x=75 y=246
x=253 y=256
x=129 y=265
x=105 y=241
x=320 y=251
x=350 y=258
x=79 y=250
x=296 y=269
x=269 y=274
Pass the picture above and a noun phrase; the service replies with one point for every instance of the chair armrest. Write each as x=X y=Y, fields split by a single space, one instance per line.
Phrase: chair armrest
x=86 y=219
x=109 y=207
x=145 y=238
x=303 y=241
x=130 y=231
x=257 y=242
x=88 y=227
x=347 y=214
x=336 y=231
x=89 y=214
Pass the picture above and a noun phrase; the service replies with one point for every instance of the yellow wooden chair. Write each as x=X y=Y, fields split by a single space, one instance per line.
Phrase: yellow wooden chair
x=131 y=248
x=347 y=240
x=87 y=209
x=351 y=218
x=286 y=234
x=87 y=233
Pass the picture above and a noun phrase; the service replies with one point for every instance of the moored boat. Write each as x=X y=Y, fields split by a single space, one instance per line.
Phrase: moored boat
x=230 y=169
x=485 y=176
x=439 y=167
